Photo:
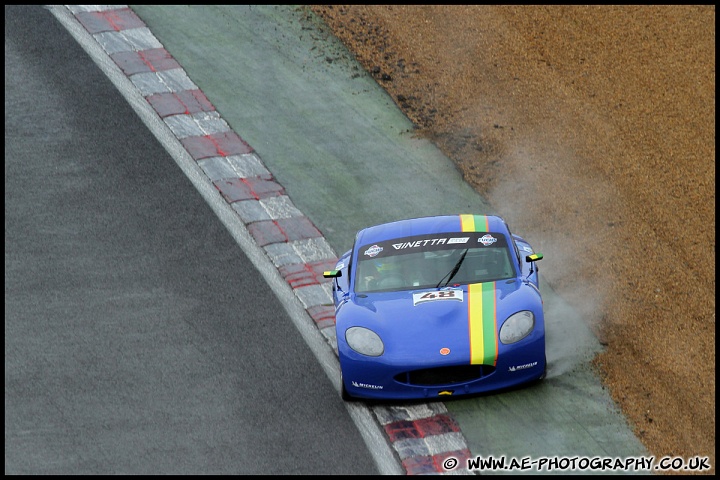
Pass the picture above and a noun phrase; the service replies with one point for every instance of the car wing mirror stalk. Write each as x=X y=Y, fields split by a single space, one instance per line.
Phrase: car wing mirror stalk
x=335 y=274
x=531 y=259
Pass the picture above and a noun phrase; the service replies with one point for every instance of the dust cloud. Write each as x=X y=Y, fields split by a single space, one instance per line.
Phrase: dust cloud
x=572 y=306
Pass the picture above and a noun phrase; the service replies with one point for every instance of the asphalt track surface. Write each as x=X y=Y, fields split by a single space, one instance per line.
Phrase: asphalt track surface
x=139 y=338
x=347 y=159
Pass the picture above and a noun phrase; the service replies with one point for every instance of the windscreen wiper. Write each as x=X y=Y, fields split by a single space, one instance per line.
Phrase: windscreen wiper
x=454 y=270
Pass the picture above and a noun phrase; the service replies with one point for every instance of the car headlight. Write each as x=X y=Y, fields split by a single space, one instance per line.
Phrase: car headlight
x=364 y=341
x=517 y=327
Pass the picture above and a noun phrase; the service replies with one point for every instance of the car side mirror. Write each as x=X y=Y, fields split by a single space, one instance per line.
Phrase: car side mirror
x=534 y=257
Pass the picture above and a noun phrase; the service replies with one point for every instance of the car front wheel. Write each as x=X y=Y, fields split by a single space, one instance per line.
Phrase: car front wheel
x=544 y=374
x=344 y=393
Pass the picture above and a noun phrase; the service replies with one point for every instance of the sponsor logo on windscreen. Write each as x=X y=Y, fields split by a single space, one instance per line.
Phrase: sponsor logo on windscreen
x=421 y=243
x=458 y=240
x=487 y=239
x=374 y=250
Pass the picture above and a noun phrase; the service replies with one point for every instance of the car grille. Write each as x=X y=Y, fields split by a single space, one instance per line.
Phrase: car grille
x=444 y=375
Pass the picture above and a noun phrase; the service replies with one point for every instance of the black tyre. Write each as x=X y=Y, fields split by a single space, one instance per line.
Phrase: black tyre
x=544 y=374
x=344 y=393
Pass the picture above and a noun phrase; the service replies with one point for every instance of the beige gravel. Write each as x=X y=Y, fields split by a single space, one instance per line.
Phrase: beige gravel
x=592 y=130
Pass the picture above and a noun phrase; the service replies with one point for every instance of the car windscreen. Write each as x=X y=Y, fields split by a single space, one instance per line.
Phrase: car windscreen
x=428 y=261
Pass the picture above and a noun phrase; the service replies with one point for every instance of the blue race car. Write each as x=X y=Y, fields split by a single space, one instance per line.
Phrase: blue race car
x=437 y=306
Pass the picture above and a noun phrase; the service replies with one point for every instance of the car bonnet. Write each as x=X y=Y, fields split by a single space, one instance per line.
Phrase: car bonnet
x=460 y=323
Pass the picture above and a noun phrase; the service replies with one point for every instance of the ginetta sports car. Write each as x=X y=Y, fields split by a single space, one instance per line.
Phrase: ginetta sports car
x=436 y=306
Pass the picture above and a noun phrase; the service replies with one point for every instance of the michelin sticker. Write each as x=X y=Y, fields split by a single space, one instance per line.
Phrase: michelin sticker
x=435 y=295
x=366 y=385
x=522 y=367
